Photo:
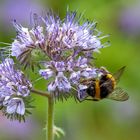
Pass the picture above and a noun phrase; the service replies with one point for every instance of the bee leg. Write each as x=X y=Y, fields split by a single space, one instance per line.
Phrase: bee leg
x=89 y=99
x=92 y=99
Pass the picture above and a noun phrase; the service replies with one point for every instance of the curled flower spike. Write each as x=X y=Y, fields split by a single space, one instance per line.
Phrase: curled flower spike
x=14 y=90
x=69 y=36
x=27 y=43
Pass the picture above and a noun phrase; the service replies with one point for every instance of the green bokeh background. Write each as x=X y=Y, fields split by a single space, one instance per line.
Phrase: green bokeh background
x=104 y=120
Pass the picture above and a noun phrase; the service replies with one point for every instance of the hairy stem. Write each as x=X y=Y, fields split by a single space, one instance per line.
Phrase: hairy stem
x=39 y=92
x=50 y=119
x=50 y=113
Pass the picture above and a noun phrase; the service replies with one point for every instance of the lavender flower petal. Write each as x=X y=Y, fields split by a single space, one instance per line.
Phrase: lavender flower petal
x=61 y=83
x=89 y=73
x=75 y=77
x=16 y=105
x=46 y=73
x=52 y=87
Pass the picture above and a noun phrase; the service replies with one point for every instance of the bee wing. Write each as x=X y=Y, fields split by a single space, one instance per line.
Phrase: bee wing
x=118 y=74
x=118 y=94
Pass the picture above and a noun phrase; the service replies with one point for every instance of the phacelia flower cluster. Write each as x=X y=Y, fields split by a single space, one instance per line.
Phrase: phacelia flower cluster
x=14 y=89
x=67 y=47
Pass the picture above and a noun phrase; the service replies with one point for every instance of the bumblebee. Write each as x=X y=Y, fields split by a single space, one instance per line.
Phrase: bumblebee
x=104 y=87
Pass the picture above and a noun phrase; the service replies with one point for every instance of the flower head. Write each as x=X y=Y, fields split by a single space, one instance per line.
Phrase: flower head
x=66 y=46
x=14 y=89
x=69 y=46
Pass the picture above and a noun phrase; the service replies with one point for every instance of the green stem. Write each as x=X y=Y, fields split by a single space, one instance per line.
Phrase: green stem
x=41 y=93
x=50 y=119
x=50 y=113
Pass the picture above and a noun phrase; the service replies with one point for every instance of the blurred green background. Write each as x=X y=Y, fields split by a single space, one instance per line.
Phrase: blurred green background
x=104 y=120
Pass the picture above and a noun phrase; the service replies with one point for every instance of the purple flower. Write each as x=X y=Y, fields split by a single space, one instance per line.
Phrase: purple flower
x=66 y=47
x=14 y=88
x=70 y=47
